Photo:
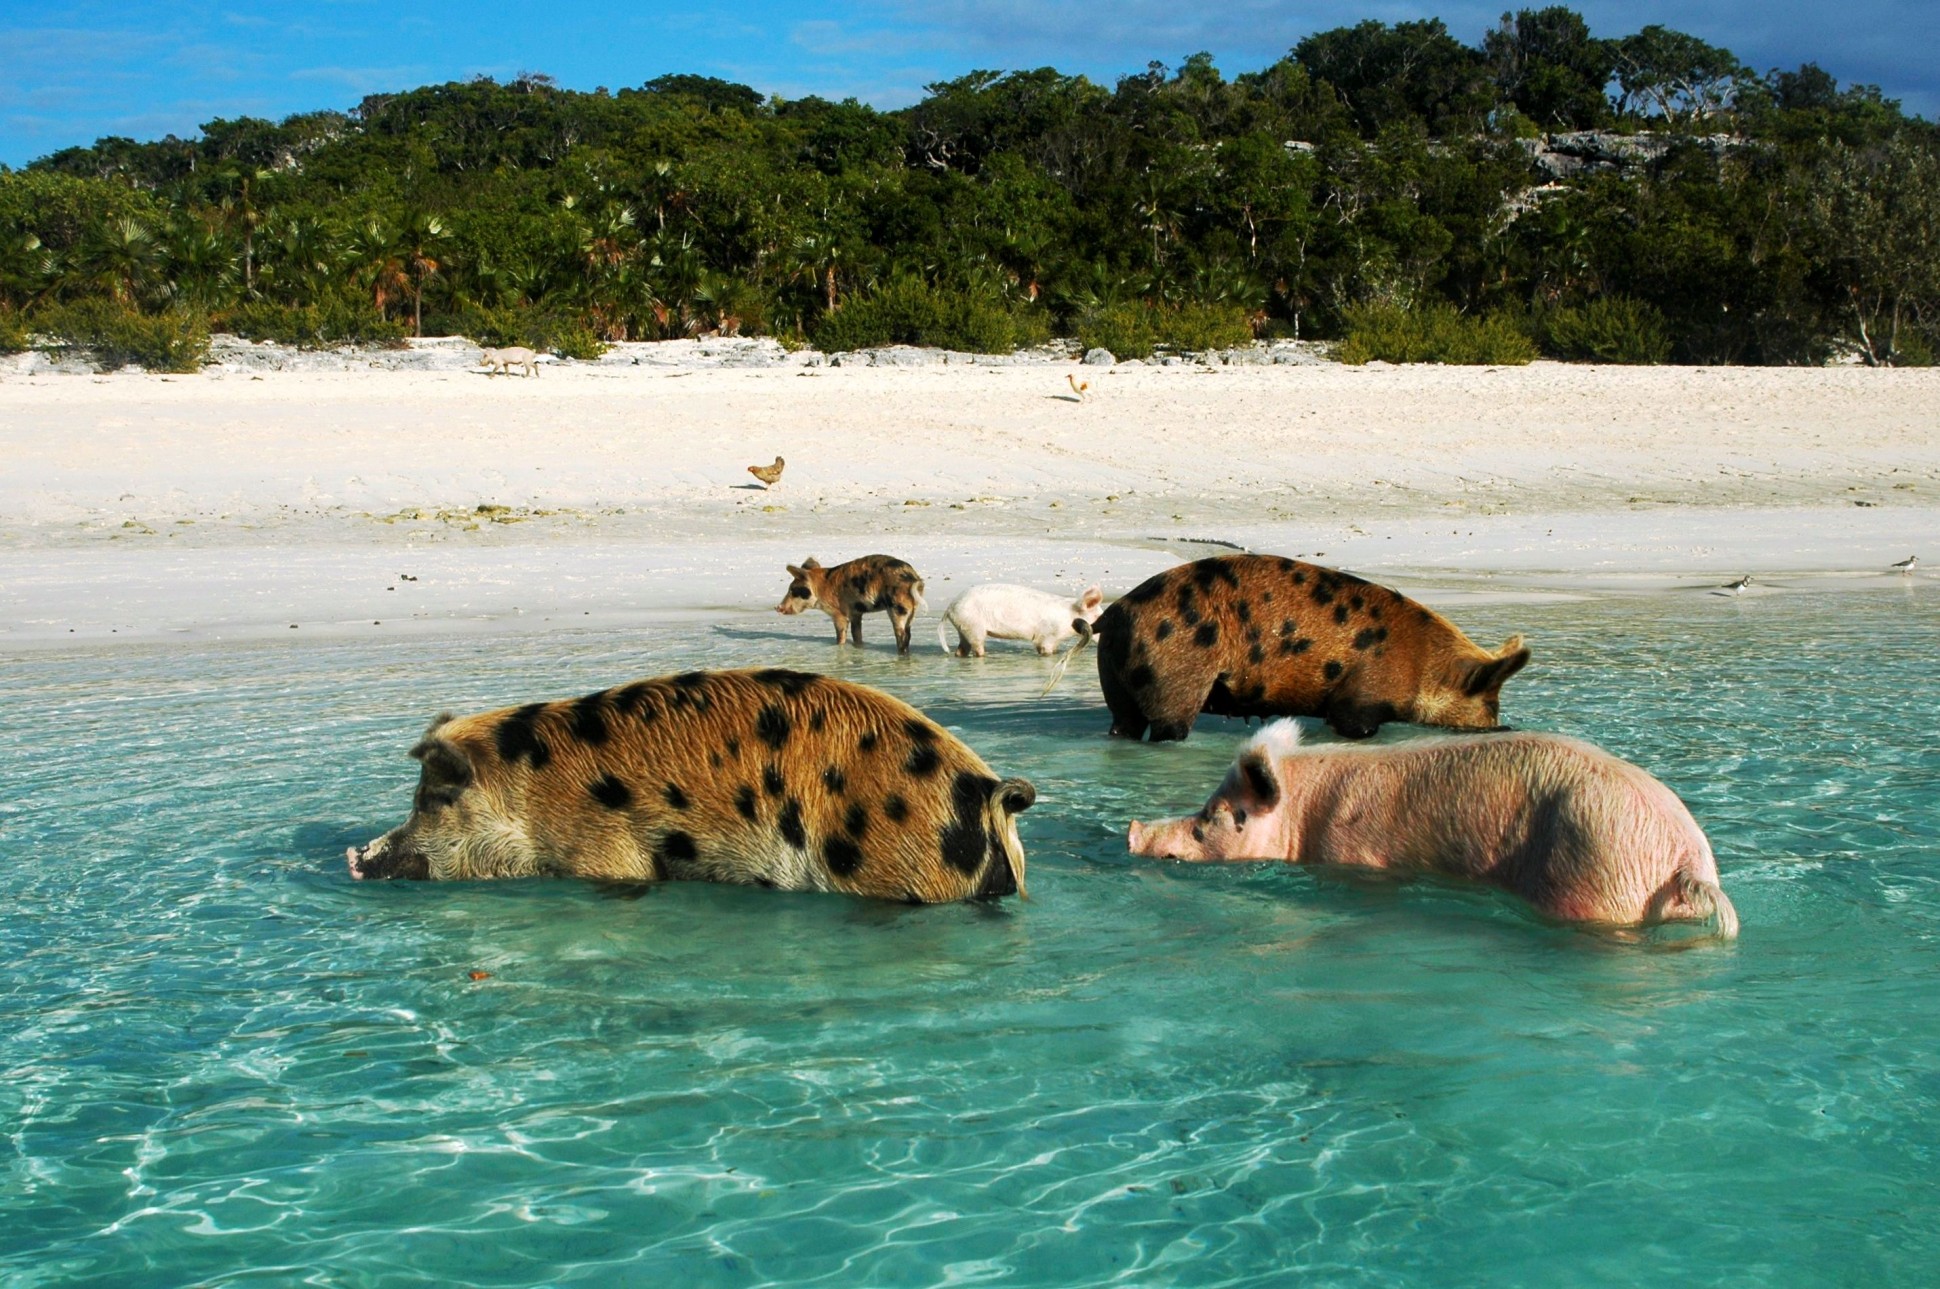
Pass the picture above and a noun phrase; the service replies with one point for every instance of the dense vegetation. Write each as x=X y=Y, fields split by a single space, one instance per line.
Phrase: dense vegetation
x=1376 y=184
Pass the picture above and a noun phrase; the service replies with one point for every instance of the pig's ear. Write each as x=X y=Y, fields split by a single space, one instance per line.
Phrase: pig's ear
x=1016 y=796
x=1092 y=598
x=1485 y=677
x=1252 y=784
x=811 y=562
x=445 y=763
x=796 y=572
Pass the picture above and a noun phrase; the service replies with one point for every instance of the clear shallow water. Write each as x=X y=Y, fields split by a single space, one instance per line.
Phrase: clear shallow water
x=223 y=1061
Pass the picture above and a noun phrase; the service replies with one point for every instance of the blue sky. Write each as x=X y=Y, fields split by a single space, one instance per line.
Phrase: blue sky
x=73 y=71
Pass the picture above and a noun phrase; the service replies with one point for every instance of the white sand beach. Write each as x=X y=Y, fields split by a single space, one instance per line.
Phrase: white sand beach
x=237 y=503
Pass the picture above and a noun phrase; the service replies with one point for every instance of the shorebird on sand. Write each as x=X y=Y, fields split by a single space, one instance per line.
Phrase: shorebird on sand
x=1078 y=387
x=770 y=475
x=1738 y=587
x=1906 y=566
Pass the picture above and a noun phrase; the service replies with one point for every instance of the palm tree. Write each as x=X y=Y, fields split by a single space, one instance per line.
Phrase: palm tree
x=119 y=256
x=420 y=242
x=199 y=264
x=373 y=254
x=25 y=267
x=301 y=260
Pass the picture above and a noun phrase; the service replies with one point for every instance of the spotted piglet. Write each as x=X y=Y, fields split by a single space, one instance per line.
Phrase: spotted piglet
x=766 y=778
x=847 y=591
x=1258 y=635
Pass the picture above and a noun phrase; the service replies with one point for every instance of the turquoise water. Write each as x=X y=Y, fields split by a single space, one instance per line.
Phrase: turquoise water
x=225 y=1062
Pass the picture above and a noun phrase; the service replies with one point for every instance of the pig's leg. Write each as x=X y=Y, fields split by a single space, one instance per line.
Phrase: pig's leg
x=901 y=618
x=837 y=619
x=1177 y=705
x=1127 y=717
x=855 y=628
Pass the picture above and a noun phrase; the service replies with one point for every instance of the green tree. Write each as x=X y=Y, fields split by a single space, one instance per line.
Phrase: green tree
x=1546 y=62
x=1677 y=76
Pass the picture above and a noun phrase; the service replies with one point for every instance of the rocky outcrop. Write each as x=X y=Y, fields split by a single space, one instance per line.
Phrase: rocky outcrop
x=1581 y=152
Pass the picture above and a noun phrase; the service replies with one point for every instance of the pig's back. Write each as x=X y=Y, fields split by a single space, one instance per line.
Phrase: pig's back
x=769 y=777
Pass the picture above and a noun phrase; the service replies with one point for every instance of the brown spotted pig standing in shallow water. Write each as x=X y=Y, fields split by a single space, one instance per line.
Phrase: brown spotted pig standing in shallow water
x=1258 y=635
x=1578 y=833
x=767 y=778
x=847 y=591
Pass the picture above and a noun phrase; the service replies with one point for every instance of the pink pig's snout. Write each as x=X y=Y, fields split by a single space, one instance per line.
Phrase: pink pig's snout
x=1167 y=839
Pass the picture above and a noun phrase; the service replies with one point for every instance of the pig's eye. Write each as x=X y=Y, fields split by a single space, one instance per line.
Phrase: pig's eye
x=798 y=593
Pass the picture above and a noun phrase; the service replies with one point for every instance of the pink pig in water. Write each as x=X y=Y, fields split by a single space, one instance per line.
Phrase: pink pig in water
x=1578 y=833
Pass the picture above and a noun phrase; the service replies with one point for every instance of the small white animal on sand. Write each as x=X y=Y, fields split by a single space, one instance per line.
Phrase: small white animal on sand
x=1079 y=387
x=1906 y=566
x=501 y=361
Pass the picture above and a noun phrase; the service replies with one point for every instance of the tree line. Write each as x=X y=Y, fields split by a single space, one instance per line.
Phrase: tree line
x=1379 y=184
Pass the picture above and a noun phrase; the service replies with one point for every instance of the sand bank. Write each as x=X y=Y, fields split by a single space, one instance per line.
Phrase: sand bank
x=238 y=503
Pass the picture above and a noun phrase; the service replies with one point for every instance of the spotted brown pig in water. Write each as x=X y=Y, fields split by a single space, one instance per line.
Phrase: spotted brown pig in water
x=847 y=591
x=1258 y=635
x=768 y=778
x=1581 y=835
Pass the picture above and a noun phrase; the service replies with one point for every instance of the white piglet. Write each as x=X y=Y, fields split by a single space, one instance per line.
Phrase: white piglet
x=1000 y=611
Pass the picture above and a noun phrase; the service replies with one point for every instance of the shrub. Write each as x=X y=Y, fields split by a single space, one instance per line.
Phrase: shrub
x=13 y=332
x=313 y=326
x=1136 y=328
x=577 y=341
x=1125 y=329
x=1613 y=329
x=1435 y=333
x=908 y=311
x=116 y=336
x=1201 y=327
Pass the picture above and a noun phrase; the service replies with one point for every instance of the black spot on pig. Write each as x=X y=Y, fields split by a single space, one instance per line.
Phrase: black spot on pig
x=677 y=851
x=843 y=856
x=790 y=824
x=773 y=726
x=586 y=720
x=744 y=802
x=834 y=780
x=791 y=683
x=518 y=738
x=772 y=781
x=674 y=796
x=1207 y=635
x=962 y=838
x=611 y=793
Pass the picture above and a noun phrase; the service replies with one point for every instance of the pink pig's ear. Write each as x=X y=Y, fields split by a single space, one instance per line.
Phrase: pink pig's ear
x=1092 y=597
x=1251 y=785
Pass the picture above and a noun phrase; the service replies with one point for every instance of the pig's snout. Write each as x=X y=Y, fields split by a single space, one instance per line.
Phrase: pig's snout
x=1159 y=841
x=355 y=858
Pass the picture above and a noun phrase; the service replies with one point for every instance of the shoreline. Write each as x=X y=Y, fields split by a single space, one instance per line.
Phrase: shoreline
x=221 y=506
